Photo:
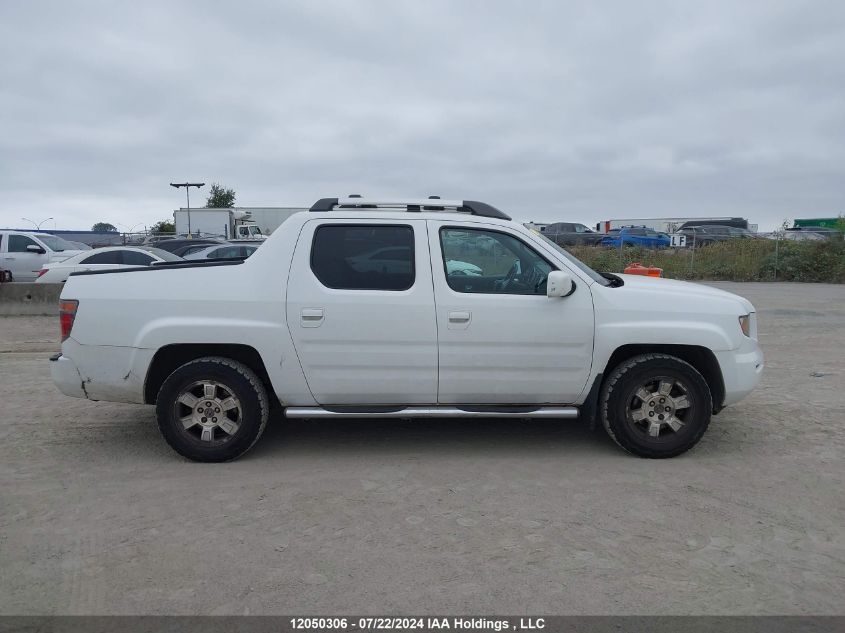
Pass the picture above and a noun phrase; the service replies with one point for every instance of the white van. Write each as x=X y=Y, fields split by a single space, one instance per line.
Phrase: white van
x=25 y=254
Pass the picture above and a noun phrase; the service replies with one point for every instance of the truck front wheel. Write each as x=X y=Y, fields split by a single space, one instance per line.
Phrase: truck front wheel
x=655 y=405
x=212 y=409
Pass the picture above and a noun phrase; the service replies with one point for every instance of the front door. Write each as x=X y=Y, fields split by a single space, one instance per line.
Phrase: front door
x=360 y=310
x=501 y=339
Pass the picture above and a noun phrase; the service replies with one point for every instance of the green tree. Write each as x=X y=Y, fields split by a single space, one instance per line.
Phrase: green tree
x=102 y=227
x=220 y=197
x=163 y=226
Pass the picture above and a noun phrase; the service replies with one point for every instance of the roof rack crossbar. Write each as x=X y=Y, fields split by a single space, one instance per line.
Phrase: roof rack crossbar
x=413 y=204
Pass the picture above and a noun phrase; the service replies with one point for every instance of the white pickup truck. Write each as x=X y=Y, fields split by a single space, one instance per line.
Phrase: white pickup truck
x=26 y=254
x=410 y=309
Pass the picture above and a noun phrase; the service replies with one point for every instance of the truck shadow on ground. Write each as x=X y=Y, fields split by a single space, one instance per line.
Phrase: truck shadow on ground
x=481 y=436
x=378 y=438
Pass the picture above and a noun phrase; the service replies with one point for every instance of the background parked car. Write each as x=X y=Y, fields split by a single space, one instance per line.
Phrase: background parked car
x=182 y=247
x=105 y=259
x=82 y=246
x=803 y=233
x=222 y=251
x=571 y=233
x=704 y=234
x=25 y=254
x=636 y=236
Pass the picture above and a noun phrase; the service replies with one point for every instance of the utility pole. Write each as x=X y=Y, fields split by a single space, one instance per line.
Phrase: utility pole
x=187 y=186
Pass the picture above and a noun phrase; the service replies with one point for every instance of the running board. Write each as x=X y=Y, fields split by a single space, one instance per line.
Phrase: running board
x=432 y=412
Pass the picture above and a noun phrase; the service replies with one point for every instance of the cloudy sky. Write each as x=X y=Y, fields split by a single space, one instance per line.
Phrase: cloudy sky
x=549 y=110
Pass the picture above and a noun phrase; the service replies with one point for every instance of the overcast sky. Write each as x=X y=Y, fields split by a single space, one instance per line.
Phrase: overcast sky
x=548 y=110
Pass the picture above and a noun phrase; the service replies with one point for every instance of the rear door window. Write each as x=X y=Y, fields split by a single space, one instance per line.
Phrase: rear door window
x=134 y=258
x=364 y=257
x=109 y=257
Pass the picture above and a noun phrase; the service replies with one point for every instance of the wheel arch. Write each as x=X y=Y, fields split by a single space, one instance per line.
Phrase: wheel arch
x=701 y=358
x=170 y=357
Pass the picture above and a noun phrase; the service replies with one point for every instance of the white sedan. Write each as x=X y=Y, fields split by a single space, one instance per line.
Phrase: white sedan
x=104 y=259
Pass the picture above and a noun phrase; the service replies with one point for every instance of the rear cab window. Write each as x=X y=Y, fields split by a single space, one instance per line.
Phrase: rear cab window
x=364 y=256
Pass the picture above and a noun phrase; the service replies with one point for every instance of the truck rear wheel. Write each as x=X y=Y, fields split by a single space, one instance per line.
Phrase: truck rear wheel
x=655 y=405
x=212 y=409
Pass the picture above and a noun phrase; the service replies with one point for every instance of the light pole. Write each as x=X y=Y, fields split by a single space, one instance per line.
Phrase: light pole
x=129 y=229
x=187 y=186
x=37 y=224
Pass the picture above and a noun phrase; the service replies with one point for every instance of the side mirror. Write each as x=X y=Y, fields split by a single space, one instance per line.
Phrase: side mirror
x=559 y=284
x=32 y=248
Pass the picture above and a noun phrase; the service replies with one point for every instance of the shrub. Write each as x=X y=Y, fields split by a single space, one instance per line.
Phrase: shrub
x=732 y=260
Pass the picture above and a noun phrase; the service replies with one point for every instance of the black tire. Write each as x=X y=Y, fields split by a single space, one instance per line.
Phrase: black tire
x=239 y=404
x=620 y=407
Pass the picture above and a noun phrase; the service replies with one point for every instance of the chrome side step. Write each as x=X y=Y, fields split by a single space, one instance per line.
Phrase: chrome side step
x=432 y=412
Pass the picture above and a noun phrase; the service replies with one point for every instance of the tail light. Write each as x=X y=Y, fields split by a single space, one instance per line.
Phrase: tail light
x=67 y=313
x=42 y=271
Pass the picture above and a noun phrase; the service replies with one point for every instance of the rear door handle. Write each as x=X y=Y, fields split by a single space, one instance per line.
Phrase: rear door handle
x=311 y=317
x=459 y=320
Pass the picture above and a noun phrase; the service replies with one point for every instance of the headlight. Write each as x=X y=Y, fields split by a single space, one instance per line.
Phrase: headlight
x=745 y=324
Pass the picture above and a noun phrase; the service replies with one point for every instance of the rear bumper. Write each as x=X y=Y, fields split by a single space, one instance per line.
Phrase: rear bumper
x=742 y=370
x=101 y=372
x=66 y=376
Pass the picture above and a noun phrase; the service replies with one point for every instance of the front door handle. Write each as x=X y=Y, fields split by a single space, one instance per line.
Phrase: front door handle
x=311 y=317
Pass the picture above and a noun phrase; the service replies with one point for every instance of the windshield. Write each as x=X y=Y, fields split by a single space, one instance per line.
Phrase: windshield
x=576 y=262
x=56 y=243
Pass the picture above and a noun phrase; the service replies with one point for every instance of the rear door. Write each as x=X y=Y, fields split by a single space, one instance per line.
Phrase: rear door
x=360 y=310
x=501 y=339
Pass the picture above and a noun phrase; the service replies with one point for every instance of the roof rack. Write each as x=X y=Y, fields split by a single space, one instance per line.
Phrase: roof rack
x=432 y=203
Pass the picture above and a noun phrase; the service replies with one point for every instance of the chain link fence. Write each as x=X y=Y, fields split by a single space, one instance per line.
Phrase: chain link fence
x=778 y=256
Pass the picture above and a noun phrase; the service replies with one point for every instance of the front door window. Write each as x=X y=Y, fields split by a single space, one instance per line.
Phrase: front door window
x=492 y=262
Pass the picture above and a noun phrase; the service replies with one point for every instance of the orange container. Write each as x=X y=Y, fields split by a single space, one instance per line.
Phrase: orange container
x=636 y=268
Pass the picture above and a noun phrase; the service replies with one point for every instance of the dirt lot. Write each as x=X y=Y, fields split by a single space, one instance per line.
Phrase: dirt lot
x=98 y=515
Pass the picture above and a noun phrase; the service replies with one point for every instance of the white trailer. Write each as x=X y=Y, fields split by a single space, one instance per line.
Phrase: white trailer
x=227 y=223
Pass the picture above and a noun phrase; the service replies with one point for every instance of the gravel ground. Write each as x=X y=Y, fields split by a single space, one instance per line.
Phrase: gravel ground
x=99 y=516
